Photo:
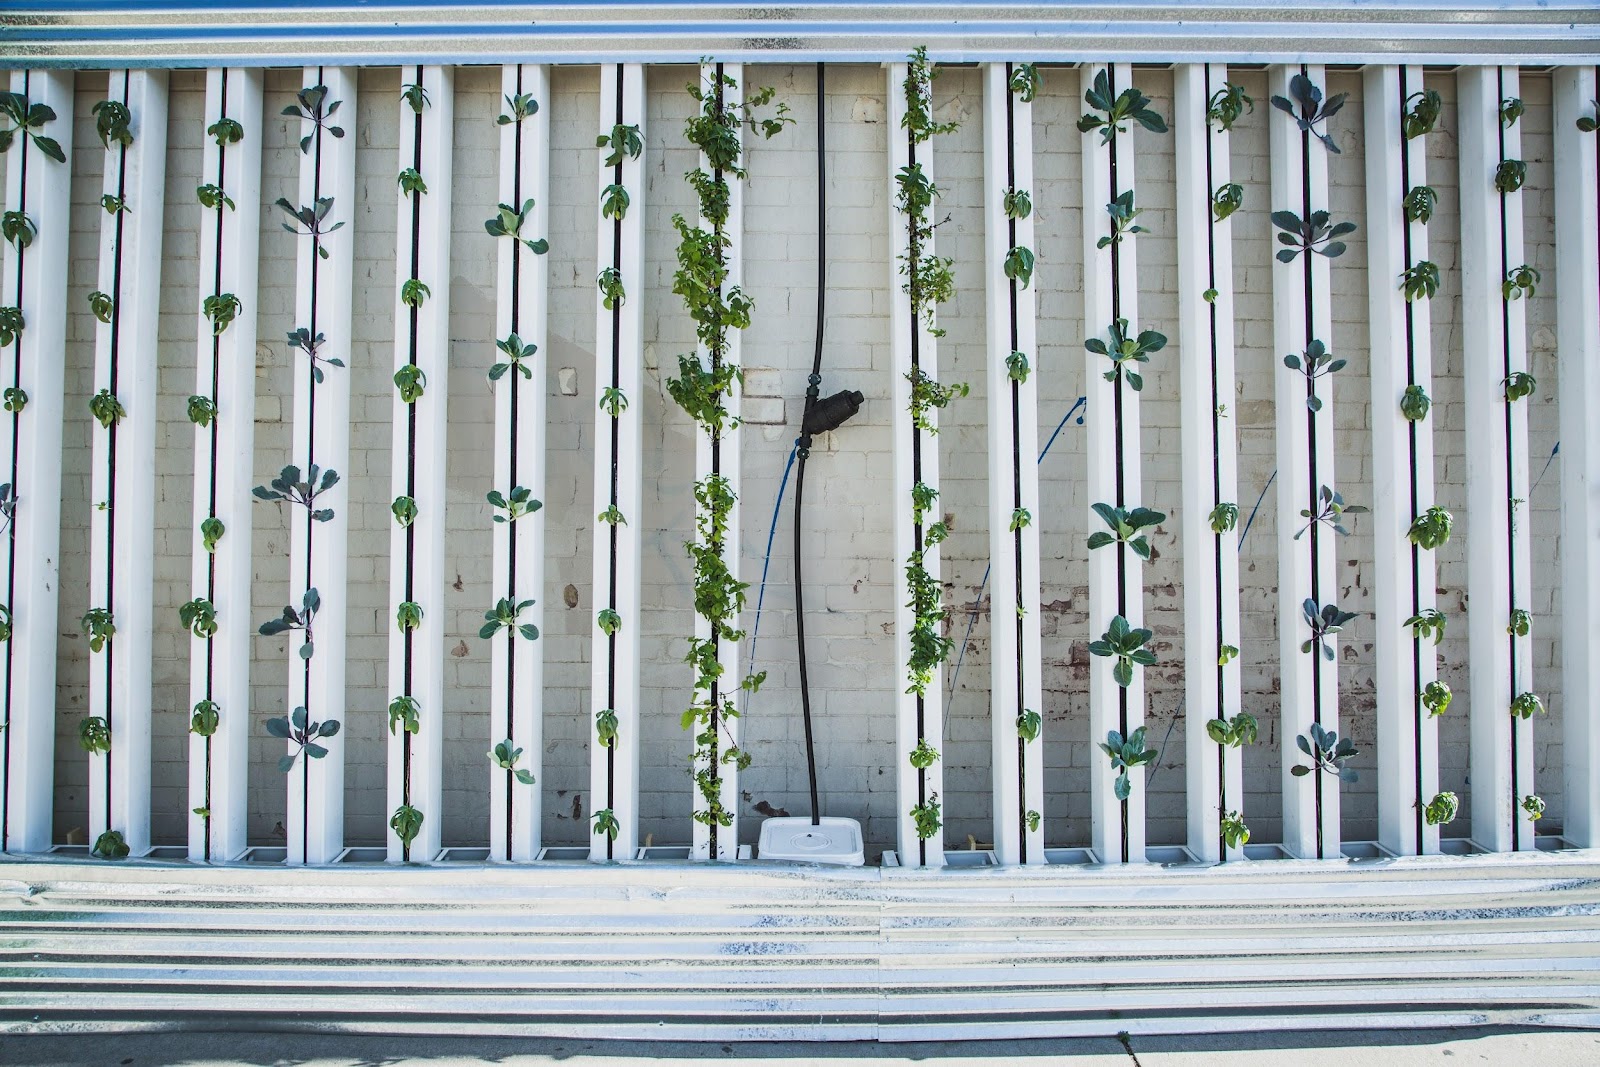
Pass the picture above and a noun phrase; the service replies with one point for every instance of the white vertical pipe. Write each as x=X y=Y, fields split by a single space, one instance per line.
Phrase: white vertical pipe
x=417 y=552
x=517 y=665
x=224 y=468
x=1578 y=331
x=30 y=461
x=1302 y=312
x=1402 y=464
x=1015 y=686
x=912 y=787
x=1212 y=690
x=1495 y=345
x=317 y=551
x=123 y=465
x=619 y=358
x=1111 y=292
x=728 y=466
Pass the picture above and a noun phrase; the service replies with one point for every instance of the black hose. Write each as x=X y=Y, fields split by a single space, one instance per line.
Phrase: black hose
x=804 y=443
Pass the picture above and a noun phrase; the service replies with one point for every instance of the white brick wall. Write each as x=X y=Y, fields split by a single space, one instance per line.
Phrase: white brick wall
x=848 y=554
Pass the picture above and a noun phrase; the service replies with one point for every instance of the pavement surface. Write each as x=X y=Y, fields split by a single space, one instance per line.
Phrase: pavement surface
x=1393 y=1048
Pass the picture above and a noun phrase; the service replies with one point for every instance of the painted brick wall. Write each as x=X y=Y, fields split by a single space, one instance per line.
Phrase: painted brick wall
x=847 y=540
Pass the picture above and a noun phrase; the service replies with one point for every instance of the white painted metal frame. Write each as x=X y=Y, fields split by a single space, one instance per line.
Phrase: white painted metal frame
x=419 y=460
x=618 y=479
x=916 y=459
x=35 y=277
x=516 y=687
x=1302 y=312
x=1116 y=582
x=321 y=436
x=1404 y=577
x=1578 y=331
x=1212 y=688
x=1494 y=331
x=725 y=461
x=122 y=478
x=1016 y=652
x=224 y=468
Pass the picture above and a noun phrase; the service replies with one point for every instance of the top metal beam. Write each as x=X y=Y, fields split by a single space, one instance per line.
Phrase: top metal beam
x=194 y=33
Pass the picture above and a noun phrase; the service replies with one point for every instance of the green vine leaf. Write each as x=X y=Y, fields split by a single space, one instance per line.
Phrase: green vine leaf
x=411 y=383
x=623 y=142
x=405 y=714
x=411 y=182
x=1114 y=114
x=11 y=325
x=404 y=510
x=1422 y=110
x=199 y=617
x=308 y=107
x=28 y=119
x=207 y=716
x=113 y=123
x=107 y=409
x=1224 y=517
x=1419 y=204
x=1227 y=105
x=1430 y=622
x=212 y=197
x=211 y=531
x=1509 y=175
x=1226 y=200
x=18 y=230
x=102 y=306
x=226 y=131
x=927 y=818
x=1235 y=834
x=1018 y=204
x=1421 y=280
x=1431 y=529
x=1520 y=282
x=1436 y=697
x=1029 y=724
x=1026 y=81
x=94 y=736
x=406 y=824
x=221 y=309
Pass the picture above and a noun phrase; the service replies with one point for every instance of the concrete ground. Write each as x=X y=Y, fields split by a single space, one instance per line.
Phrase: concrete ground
x=1403 y=1048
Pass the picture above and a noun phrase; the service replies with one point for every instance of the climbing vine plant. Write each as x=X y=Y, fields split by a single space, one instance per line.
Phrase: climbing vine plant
x=706 y=381
x=929 y=282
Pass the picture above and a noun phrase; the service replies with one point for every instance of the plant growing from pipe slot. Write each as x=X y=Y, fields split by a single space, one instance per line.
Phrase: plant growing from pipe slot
x=1420 y=203
x=1329 y=753
x=1125 y=526
x=1125 y=645
x=1126 y=754
x=1123 y=350
x=1441 y=809
x=27 y=119
x=310 y=221
x=1330 y=512
x=309 y=107
x=289 y=488
x=1317 y=233
x=113 y=123
x=1309 y=110
x=1324 y=621
x=1130 y=105
x=304 y=734
x=303 y=339
x=1227 y=105
x=518 y=354
x=509 y=222
x=1316 y=362
x=302 y=618
x=1122 y=213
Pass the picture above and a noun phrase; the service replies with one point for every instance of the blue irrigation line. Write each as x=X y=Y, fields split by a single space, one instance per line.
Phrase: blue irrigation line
x=1257 y=508
x=1546 y=469
x=755 y=630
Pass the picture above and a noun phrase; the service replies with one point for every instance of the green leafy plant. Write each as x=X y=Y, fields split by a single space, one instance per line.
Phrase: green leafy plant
x=406 y=824
x=1441 y=809
x=1422 y=110
x=1224 y=517
x=1020 y=519
x=605 y=822
x=519 y=106
x=113 y=123
x=1324 y=621
x=411 y=182
x=5 y=623
x=1521 y=623
x=1236 y=732
x=605 y=727
x=1430 y=622
x=11 y=325
x=416 y=97
x=211 y=531
x=1421 y=280
x=221 y=309
x=1318 y=233
x=924 y=755
x=309 y=107
x=1123 y=350
x=1028 y=725
x=1589 y=123
x=411 y=383
x=15 y=399
x=1509 y=175
x=1520 y=282
x=609 y=621
x=1114 y=114
x=1126 y=754
x=614 y=202
x=413 y=292
x=1017 y=368
x=506 y=757
x=1235 y=834
x=612 y=516
x=1431 y=529
x=102 y=306
x=299 y=730
x=404 y=510
x=1124 y=645
x=226 y=131
x=408 y=616
x=205 y=719
x=1329 y=753
x=928 y=395
x=1018 y=265
x=303 y=339
x=1227 y=105
x=504 y=616
x=623 y=142
x=927 y=817
x=1226 y=654
x=518 y=355
x=1316 y=362
x=107 y=409
x=1122 y=214
x=509 y=221
x=1519 y=384
x=609 y=282
x=1533 y=807
x=310 y=221
x=1125 y=527
x=110 y=846
x=1436 y=697
x=1018 y=204
x=1510 y=111
x=99 y=627
x=199 y=617
x=929 y=646
x=1414 y=403
x=1226 y=200
x=28 y=120
x=301 y=619
x=930 y=278
x=1526 y=705
x=1330 y=511
x=18 y=230
x=1309 y=110
x=513 y=505
x=1419 y=204
x=288 y=488
x=1026 y=81
x=404 y=714
x=94 y=736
